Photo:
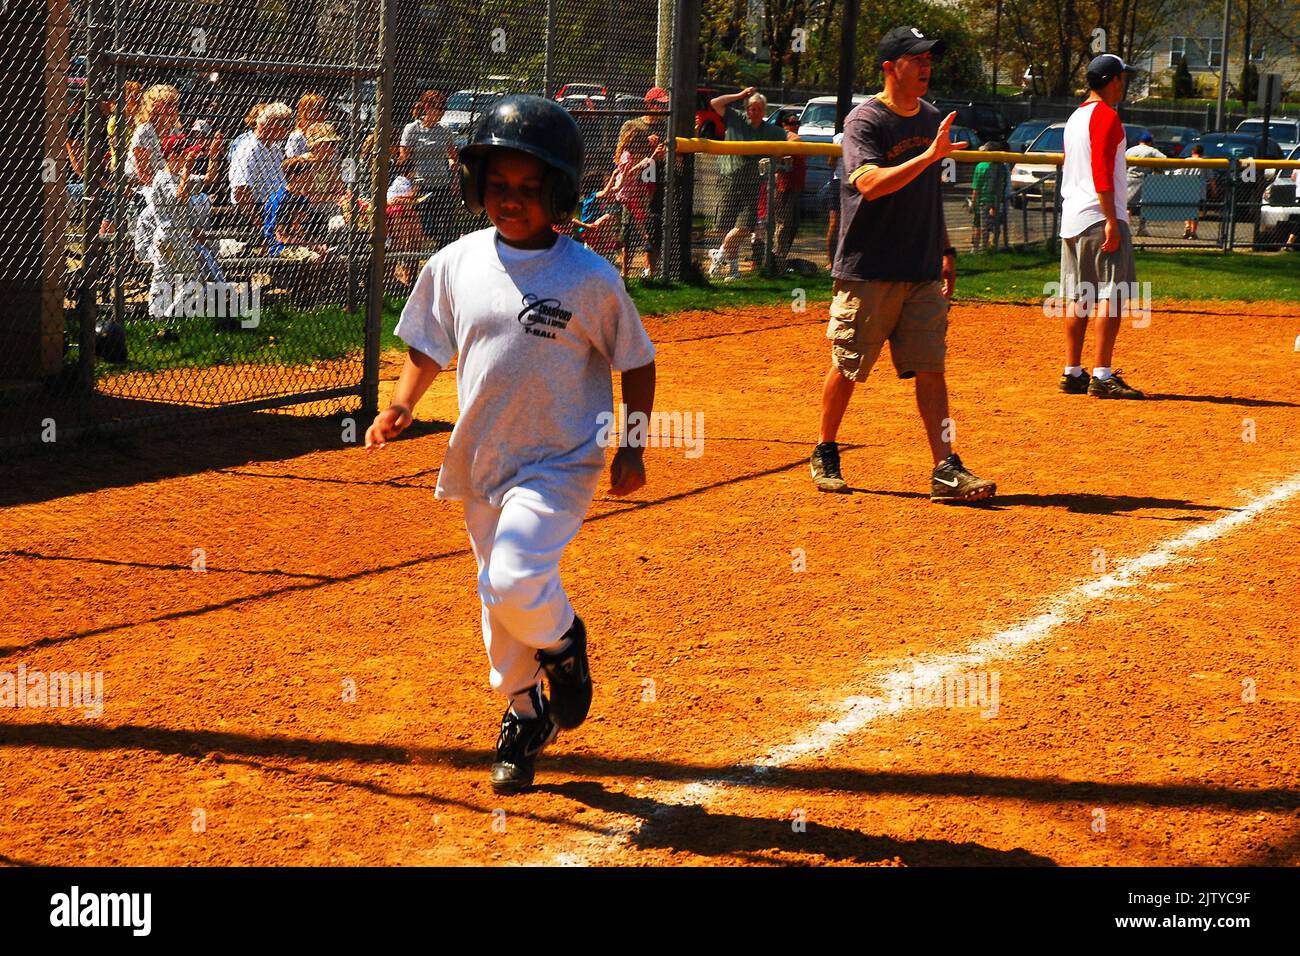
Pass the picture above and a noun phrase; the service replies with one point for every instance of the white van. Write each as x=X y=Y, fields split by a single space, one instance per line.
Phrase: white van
x=817 y=125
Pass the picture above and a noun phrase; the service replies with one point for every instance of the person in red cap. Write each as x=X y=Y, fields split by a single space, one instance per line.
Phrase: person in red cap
x=641 y=138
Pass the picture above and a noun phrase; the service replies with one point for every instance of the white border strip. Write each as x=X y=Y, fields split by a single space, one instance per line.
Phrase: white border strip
x=861 y=711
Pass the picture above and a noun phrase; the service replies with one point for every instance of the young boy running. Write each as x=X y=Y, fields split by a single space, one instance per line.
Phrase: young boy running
x=538 y=321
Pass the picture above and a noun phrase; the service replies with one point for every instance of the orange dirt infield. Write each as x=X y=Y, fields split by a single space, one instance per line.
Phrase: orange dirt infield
x=736 y=616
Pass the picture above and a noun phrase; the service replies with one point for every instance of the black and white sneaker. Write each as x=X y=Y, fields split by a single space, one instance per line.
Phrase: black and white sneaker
x=1113 y=387
x=1075 y=384
x=951 y=483
x=520 y=741
x=825 y=468
x=569 y=677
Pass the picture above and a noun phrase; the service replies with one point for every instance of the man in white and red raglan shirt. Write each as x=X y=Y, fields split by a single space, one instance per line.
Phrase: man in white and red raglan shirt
x=1096 y=247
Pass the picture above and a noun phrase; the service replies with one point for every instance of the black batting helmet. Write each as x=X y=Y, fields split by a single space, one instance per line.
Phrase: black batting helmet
x=533 y=125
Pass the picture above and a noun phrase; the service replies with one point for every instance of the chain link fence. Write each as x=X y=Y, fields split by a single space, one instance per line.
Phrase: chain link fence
x=221 y=206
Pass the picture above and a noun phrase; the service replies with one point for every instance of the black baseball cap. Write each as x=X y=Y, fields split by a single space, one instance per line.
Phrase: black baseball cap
x=901 y=41
x=1105 y=68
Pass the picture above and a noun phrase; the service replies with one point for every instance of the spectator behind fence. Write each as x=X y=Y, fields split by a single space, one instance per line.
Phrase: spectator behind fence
x=989 y=188
x=327 y=178
x=1198 y=152
x=833 y=213
x=738 y=182
x=311 y=109
x=170 y=237
x=430 y=146
x=405 y=230
x=791 y=174
x=634 y=189
x=1144 y=148
x=250 y=126
x=159 y=117
x=635 y=136
x=596 y=225
x=256 y=168
x=75 y=149
x=131 y=95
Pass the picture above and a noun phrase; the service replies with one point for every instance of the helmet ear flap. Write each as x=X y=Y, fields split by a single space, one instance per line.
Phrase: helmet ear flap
x=471 y=184
x=561 y=197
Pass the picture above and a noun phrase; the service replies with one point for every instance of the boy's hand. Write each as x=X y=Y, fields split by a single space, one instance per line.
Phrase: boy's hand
x=388 y=424
x=626 y=472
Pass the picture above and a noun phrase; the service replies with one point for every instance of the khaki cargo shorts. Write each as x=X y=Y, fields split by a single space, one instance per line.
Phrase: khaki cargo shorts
x=911 y=316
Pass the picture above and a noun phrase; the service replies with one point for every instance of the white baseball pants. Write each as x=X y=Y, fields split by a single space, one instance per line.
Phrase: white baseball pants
x=518 y=548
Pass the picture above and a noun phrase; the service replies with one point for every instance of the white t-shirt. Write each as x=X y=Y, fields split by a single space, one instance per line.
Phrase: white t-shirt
x=1094 y=163
x=429 y=145
x=145 y=136
x=259 y=167
x=537 y=338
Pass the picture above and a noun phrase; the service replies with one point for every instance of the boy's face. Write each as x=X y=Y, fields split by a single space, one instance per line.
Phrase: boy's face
x=512 y=196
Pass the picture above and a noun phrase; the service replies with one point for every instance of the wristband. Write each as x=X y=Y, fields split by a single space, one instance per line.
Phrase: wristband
x=950 y=251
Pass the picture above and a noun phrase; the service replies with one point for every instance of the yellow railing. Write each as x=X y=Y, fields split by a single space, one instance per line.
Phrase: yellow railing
x=719 y=147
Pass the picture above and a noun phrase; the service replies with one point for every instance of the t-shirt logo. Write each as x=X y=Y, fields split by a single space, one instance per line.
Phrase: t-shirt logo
x=918 y=34
x=540 y=316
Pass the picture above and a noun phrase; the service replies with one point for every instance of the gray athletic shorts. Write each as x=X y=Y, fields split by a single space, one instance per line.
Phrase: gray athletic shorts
x=1090 y=274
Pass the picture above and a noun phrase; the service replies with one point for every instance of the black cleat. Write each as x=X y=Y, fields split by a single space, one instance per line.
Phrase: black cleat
x=1113 y=387
x=569 y=677
x=520 y=741
x=825 y=467
x=1076 y=384
x=951 y=483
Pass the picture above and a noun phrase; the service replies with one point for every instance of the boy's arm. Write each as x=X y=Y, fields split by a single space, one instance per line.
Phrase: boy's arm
x=418 y=373
x=627 y=471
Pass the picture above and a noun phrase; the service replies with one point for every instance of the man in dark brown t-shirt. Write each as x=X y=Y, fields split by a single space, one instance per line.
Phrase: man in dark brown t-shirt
x=895 y=269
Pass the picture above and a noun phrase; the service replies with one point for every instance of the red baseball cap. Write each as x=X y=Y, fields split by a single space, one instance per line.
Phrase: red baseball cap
x=656 y=94
x=173 y=144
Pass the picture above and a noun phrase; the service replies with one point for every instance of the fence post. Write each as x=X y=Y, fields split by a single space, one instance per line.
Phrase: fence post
x=679 y=197
x=92 y=254
x=378 y=226
x=769 y=223
x=1230 y=204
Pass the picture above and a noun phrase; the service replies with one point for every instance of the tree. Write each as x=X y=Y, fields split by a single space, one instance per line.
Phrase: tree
x=959 y=70
x=1184 y=85
x=1058 y=37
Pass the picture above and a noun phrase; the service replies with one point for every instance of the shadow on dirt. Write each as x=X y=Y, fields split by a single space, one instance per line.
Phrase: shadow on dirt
x=141 y=456
x=701 y=832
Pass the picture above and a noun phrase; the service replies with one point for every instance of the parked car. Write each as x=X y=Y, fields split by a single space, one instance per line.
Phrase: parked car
x=464 y=107
x=988 y=121
x=583 y=101
x=817 y=121
x=580 y=89
x=1052 y=140
x=778 y=115
x=1024 y=134
x=1173 y=140
x=1285 y=132
x=1279 y=216
x=817 y=125
x=1235 y=146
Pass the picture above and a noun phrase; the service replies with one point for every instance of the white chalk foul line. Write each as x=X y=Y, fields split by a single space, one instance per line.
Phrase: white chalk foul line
x=861 y=711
